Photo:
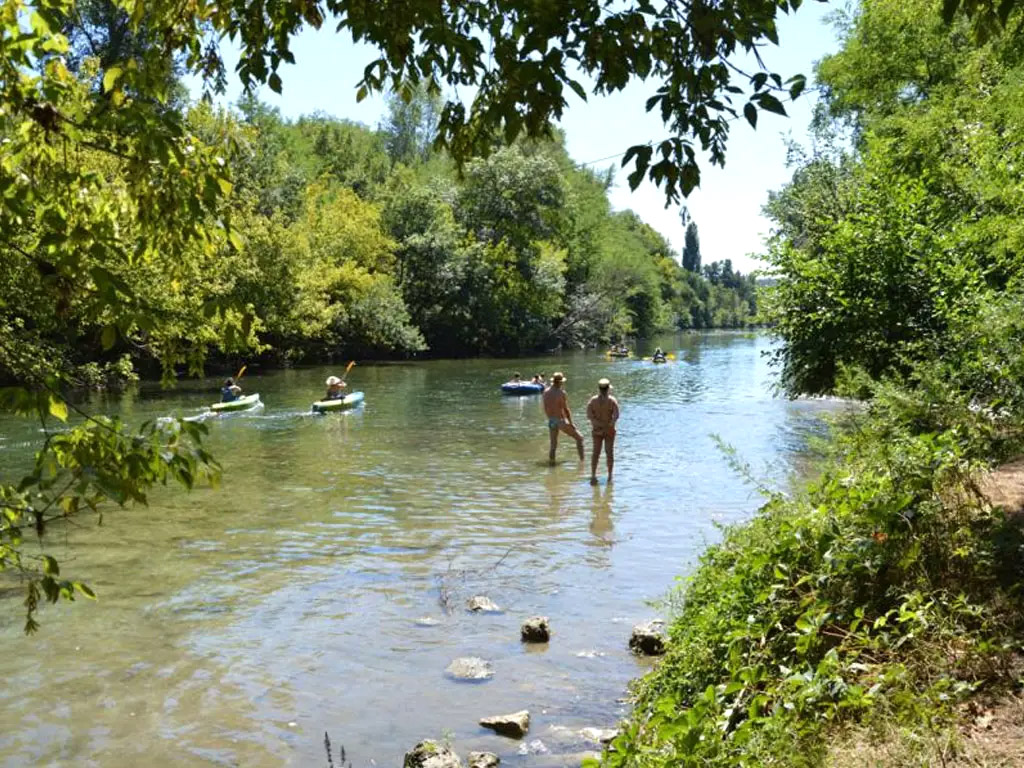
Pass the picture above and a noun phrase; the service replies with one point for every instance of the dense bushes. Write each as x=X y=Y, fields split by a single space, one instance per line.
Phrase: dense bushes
x=888 y=590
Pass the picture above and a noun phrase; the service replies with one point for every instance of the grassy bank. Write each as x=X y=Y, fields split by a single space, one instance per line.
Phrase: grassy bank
x=880 y=604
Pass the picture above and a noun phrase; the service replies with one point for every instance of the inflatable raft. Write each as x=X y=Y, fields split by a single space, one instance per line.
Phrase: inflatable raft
x=521 y=388
x=241 y=404
x=340 y=404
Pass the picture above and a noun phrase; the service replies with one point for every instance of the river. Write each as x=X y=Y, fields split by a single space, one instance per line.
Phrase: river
x=236 y=625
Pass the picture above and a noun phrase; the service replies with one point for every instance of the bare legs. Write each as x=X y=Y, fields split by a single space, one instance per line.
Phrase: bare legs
x=570 y=430
x=608 y=440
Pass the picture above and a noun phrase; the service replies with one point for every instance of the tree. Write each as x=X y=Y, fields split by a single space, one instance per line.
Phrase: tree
x=691 y=249
x=880 y=251
x=411 y=123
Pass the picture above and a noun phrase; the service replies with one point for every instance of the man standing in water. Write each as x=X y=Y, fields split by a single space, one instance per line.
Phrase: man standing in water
x=556 y=406
x=603 y=412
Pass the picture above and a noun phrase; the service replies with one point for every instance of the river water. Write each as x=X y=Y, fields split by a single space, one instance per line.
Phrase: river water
x=237 y=625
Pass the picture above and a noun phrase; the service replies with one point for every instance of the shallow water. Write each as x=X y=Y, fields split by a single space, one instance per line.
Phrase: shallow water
x=237 y=625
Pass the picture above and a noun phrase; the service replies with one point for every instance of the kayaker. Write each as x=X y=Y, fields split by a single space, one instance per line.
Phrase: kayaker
x=556 y=406
x=230 y=391
x=603 y=413
x=335 y=388
x=659 y=355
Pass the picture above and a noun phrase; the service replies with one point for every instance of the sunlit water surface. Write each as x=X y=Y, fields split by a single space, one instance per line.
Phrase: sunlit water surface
x=237 y=625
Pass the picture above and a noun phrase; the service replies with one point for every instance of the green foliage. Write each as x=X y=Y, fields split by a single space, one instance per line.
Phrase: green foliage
x=691 y=249
x=880 y=248
x=76 y=472
x=887 y=590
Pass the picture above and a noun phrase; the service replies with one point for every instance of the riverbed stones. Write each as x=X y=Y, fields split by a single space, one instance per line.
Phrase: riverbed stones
x=482 y=604
x=470 y=668
x=430 y=754
x=535 y=630
x=515 y=725
x=647 y=639
x=600 y=735
x=483 y=760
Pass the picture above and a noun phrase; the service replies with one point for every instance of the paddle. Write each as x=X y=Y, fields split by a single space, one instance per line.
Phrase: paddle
x=241 y=373
x=345 y=374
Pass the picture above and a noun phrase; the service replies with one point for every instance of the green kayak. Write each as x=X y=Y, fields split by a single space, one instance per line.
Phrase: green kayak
x=340 y=404
x=241 y=404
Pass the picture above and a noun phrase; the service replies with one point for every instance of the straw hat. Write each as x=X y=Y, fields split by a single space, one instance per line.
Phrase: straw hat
x=604 y=384
x=558 y=376
x=332 y=380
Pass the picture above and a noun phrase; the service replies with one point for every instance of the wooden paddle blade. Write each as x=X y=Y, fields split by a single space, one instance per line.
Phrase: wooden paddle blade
x=240 y=373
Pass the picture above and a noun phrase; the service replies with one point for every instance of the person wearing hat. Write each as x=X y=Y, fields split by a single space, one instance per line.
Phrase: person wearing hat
x=556 y=406
x=603 y=412
x=335 y=388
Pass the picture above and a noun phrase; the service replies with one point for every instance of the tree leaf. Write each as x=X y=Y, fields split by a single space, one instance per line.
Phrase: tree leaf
x=109 y=336
x=58 y=408
x=750 y=112
x=110 y=77
x=771 y=104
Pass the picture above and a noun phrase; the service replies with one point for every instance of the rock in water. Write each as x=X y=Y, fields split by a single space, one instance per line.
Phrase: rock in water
x=430 y=754
x=470 y=668
x=482 y=604
x=483 y=760
x=647 y=639
x=600 y=735
x=535 y=630
x=515 y=725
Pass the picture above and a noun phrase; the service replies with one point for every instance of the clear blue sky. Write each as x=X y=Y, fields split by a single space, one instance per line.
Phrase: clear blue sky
x=727 y=205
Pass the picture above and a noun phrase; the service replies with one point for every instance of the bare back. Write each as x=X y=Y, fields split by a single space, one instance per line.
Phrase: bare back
x=554 y=402
x=603 y=412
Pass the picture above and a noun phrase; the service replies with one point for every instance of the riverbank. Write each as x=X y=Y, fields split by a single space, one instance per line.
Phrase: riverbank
x=875 y=614
x=240 y=623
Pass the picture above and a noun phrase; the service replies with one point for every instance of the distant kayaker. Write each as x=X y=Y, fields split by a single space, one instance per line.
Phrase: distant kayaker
x=603 y=413
x=556 y=406
x=659 y=355
x=230 y=391
x=335 y=388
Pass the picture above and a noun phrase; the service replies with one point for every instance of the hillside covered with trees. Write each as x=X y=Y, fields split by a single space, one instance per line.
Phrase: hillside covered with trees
x=347 y=240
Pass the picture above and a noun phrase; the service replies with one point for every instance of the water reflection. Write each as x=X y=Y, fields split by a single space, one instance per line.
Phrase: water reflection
x=239 y=624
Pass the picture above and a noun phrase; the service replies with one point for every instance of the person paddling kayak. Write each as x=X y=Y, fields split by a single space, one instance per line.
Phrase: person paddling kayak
x=335 y=388
x=556 y=406
x=659 y=356
x=230 y=391
x=603 y=413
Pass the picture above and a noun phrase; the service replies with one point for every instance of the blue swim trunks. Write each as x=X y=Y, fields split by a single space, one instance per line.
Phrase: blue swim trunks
x=554 y=423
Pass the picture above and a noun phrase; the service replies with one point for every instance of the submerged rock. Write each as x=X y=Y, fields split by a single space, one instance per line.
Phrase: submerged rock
x=600 y=735
x=482 y=604
x=430 y=754
x=515 y=725
x=647 y=639
x=535 y=630
x=535 y=747
x=470 y=668
x=427 y=621
x=483 y=760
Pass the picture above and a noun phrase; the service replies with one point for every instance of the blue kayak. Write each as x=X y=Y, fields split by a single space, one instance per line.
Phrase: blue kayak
x=521 y=388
